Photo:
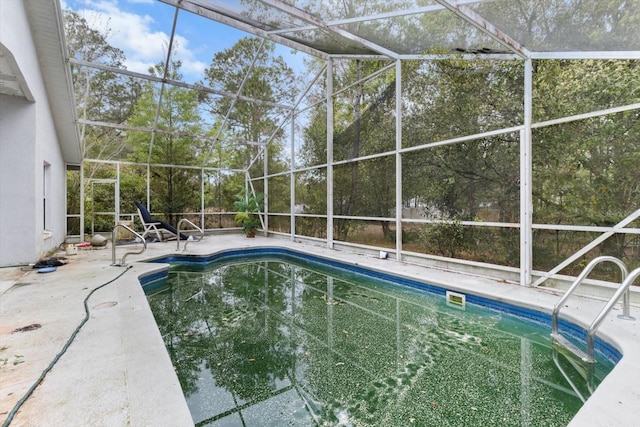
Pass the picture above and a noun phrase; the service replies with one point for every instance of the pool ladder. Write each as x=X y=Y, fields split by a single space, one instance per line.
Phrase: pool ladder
x=588 y=356
x=585 y=370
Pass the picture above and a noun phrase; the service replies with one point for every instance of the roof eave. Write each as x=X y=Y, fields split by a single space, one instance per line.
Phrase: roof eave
x=45 y=17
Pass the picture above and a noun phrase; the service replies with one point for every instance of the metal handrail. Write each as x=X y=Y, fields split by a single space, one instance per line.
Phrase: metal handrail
x=622 y=289
x=183 y=220
x=113 y=245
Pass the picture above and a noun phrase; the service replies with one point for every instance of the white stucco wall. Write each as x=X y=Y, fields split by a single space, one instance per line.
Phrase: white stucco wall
x=27 y=140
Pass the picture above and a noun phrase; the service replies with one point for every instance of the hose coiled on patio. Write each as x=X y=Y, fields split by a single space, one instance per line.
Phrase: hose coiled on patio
x=44 y=373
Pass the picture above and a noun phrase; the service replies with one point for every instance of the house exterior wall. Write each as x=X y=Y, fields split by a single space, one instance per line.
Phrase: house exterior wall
x=28 y=142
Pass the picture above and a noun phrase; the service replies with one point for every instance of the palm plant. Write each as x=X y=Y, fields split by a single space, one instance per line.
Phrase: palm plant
x=248 y=206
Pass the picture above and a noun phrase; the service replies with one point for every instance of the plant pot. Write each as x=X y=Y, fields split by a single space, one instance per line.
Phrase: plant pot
x=250 y=233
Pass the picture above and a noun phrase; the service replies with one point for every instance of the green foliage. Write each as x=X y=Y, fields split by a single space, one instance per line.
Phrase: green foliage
x=173 y=190
x=248 y=205
x=101 y=96
x=280 y=186
x=453 y=98
x=447 y=237
x=585 y=172
x=364 y=124
x=270 y=80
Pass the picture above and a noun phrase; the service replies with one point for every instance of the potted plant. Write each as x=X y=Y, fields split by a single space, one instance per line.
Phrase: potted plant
x=248 y=206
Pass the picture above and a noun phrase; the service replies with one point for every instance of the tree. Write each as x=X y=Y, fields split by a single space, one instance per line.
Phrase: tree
x=174 y=189
x=454 y=98
x=364 y=124
x=586 y=172
x=250 y=124
x=100 y=95
x=271 y=80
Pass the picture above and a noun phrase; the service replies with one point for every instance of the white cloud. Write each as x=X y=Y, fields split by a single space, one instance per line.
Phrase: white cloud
x=143 y=45
x=190 y=64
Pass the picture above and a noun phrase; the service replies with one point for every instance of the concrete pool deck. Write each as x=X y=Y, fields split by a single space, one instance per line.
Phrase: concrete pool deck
x=117 y=371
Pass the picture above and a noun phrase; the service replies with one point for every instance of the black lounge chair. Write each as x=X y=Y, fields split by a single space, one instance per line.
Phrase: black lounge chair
x=157 y=226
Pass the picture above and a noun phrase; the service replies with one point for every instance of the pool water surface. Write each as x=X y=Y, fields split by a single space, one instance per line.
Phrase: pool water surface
x=273 y=341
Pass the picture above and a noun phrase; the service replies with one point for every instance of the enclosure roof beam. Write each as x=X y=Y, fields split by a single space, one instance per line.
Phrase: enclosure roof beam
x=120 y=162
x=431 y=56
x=164 y=132
x=200 y=88
x=624 y=54
x=318 y=23
x=466 y=56
x=366 y=78
x=207 y=11
x=485 y=26
x=374 y=17
x=370 y=76
x=165 y=73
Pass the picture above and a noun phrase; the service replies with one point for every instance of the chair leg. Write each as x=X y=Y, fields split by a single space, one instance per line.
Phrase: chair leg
x=151 y=229
x=158 y=233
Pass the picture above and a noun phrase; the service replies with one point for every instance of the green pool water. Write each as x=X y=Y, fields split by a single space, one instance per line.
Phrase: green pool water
x=271 y=342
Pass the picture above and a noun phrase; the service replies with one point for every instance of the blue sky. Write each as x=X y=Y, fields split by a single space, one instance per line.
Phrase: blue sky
x=142 y=29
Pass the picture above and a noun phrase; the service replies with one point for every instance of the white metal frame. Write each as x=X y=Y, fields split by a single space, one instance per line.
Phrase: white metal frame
x=515 y=51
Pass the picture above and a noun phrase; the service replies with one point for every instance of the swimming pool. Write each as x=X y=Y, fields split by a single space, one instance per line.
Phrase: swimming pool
x=275 y=338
